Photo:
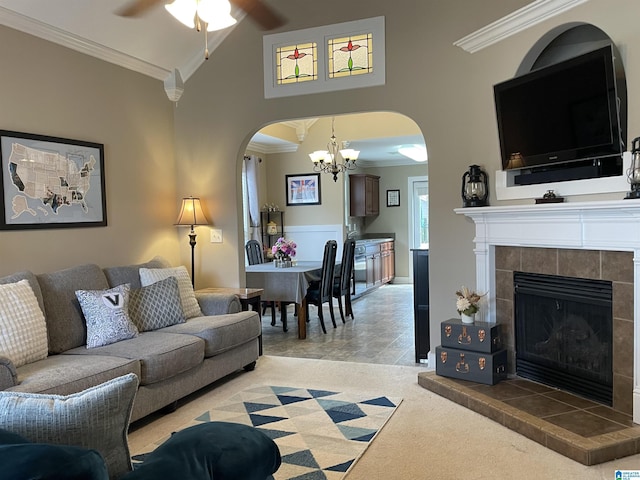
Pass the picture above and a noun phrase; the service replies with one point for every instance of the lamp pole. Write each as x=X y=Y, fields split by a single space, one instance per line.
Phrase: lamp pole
x=192 y=242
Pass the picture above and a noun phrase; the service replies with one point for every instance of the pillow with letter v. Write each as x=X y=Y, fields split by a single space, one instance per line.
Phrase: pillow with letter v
x=106 y=315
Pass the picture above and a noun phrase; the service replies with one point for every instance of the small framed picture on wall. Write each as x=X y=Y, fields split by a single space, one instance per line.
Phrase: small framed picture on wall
x=303 y=189
x=393 y=198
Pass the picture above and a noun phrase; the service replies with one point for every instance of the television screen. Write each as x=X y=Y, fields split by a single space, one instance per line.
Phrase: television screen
x=561 y=113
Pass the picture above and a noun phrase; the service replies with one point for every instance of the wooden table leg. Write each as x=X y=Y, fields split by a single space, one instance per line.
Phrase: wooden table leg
x=302 y=319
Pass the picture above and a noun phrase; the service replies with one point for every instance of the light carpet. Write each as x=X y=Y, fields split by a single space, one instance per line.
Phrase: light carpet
x=428 y=436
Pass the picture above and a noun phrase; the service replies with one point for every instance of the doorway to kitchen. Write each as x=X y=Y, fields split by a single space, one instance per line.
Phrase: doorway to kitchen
x=383 y=328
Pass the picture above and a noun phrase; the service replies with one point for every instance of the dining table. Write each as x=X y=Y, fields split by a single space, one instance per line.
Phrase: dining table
x=285 y=285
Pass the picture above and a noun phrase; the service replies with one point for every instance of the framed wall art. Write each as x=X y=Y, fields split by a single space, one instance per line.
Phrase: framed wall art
x=303 y=189
x=50 y=182
x=393 y=198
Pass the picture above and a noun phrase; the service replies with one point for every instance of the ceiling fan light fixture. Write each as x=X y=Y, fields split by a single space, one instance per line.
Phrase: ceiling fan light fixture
x=417 y=153
x=184 y=11
x=216 y=14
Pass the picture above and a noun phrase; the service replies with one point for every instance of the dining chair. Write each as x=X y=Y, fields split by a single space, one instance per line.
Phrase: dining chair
x=320 y=292
x=254 y=252
x=342 y=278
x=254 y=257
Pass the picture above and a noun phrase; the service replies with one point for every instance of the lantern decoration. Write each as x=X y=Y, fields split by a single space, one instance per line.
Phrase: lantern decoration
x=475 y=189
x=633 y=174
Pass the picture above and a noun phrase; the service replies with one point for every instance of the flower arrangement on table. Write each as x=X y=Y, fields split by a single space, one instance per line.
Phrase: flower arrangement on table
x=284 y=249
x=468 y=301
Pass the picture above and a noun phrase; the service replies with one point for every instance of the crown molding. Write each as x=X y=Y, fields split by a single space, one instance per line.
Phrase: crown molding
x=528 y=16
x=42 y=30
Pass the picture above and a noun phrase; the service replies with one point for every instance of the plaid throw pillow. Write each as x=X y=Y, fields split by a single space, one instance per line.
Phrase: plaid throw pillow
x=190 y=305
x=23 y=330
x=156 y=306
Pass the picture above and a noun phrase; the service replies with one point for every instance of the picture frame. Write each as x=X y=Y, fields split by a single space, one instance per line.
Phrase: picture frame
x=50 y=182
x=393 y=198
x=303 y=189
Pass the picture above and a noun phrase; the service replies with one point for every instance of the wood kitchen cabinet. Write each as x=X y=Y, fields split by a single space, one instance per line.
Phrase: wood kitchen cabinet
x=364 y=195
x=387 y=261
x=380 y=264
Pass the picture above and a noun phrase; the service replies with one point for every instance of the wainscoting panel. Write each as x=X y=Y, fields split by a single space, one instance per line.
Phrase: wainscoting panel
x=311 y=239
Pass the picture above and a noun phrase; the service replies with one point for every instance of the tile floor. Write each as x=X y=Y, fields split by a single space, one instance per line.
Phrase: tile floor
x=381 y=332
x=580 y=429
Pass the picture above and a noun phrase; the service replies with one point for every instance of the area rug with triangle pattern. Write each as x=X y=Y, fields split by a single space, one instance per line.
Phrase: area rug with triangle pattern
x=320 y=433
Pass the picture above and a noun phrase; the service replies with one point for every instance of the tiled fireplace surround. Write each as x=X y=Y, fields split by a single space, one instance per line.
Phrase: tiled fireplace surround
x=616 y=267
x=598 y=240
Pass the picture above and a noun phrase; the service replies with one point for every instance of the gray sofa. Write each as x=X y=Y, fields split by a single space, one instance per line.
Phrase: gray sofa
x=170 y=362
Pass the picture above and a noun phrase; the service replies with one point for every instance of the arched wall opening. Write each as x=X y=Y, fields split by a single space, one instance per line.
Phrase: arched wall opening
x=284 y=148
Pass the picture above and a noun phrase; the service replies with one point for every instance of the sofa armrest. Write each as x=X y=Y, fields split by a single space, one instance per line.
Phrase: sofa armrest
x=8 y=373
x=218 y=303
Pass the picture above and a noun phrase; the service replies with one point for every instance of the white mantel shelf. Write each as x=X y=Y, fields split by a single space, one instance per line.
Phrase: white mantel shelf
x=602 y=225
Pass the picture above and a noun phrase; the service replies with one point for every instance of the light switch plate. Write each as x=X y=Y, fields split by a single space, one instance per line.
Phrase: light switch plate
x=216 y=235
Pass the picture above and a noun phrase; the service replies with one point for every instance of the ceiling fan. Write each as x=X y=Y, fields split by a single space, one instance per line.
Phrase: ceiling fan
x=266 y=17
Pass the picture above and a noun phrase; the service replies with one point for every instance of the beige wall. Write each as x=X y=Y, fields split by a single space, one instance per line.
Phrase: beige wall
x=50 y=90
x=446 y=91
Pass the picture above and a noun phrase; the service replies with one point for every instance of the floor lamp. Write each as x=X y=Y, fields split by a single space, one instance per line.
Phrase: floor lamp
x=191 y=214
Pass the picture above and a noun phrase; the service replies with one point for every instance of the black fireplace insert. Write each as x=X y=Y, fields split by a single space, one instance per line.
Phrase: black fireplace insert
x=563 y=331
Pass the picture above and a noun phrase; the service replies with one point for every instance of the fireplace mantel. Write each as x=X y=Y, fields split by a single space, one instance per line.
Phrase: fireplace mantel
x=602 y=225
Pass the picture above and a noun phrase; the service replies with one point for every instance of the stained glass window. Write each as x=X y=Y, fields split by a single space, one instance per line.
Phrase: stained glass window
x=297 y=63
x=324 y=59
x=352 y=55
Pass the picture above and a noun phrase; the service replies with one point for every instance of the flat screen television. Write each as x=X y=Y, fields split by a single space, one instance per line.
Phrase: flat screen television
x=561 y=114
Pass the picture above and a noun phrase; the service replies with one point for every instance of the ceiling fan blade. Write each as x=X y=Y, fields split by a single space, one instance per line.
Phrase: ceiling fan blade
x=138 y=7
x=262 y=14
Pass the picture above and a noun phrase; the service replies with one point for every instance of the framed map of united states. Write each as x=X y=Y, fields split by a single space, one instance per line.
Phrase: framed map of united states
x=50 y=182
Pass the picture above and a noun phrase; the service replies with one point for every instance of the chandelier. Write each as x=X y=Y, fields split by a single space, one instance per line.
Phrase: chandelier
x=327 y=161
x=216 y=14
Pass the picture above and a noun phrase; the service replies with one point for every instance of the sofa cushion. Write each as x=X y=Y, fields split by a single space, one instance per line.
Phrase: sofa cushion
x=156 y=306
x=33 y=281
x=190 y=306
x=66 y=374
x=221 y=332
x=43 y=461
x=131 y=273
x=96 y=418
x=161 y=355
x=106 y=314
x=23 y=331
x=215 y=450
x=65 y=325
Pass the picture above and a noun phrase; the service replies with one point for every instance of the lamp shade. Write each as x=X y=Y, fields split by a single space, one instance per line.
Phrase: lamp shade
x=191 y=213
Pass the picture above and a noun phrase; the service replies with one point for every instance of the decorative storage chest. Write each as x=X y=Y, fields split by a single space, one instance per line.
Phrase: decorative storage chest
x=471 y=352
x=477 y=337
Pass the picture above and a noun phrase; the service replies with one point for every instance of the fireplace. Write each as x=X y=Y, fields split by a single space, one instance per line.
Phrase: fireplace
x=563 y=333
x=593 y=240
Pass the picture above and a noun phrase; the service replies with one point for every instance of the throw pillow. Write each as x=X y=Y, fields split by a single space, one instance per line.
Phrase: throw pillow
x=190 y=306
x=23 y=330
x=156 y=305
x=106 y=313
x=96 y=418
